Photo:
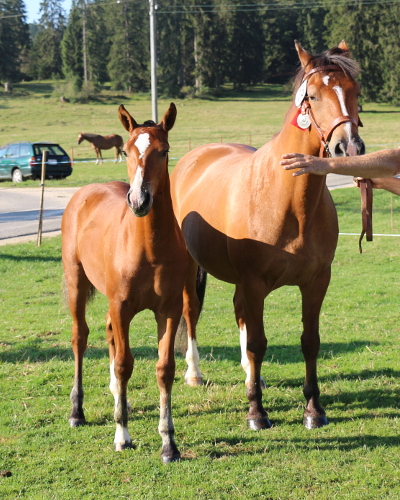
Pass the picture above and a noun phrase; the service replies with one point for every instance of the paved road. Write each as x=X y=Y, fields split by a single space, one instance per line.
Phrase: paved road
x=19 y=210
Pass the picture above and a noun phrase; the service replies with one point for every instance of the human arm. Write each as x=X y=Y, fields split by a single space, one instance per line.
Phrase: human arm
x=391 y=184
x=385 y=163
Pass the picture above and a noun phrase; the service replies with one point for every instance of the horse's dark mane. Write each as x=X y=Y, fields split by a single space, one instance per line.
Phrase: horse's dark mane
x=336 y=56
x=149 y=123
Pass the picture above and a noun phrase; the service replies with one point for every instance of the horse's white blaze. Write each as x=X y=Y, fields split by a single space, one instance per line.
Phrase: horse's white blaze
x=142 y=143
x=192 y=360
x=339 y=93
x=325 y=79
x=136 y=186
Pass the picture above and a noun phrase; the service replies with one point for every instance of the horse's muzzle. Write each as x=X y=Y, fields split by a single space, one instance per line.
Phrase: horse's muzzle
x=353 y=147
x=140 y=205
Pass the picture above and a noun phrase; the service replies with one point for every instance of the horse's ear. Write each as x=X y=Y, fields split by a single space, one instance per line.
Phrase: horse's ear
x=127 y=121
x=343 y=45
x=304 y=56
x=169 y=118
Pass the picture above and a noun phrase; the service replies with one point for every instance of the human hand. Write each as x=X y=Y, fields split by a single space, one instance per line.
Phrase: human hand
x=306 y=164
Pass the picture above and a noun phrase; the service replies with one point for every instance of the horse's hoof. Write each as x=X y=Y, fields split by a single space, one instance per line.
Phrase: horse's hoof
x=170 y=454
x=194 y=381
x=167 y=459
x=258 y=424
x=76 y=422
x=123 y=446
x=315 y=422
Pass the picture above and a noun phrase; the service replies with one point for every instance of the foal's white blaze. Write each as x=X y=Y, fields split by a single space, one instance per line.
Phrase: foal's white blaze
x=325 y=79
x=339 y=93
x=142 y=143
x=136 y=186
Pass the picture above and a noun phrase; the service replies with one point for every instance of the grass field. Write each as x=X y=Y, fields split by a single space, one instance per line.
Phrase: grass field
x=355 y=457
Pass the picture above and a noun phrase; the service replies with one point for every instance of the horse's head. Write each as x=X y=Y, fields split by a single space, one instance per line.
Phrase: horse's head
x=80 y=137
x=326 y=94
x=146 y=154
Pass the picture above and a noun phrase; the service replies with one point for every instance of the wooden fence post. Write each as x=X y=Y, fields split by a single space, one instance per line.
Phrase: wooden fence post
x=39 y=235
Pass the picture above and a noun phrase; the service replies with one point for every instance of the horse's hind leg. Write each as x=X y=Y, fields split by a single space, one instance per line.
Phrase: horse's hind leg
x=78 y=291
x=312 y=297
x=191 y=307
x=240 y=320
x=165 y=369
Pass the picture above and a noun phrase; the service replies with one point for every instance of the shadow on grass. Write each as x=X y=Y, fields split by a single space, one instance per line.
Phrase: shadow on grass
x=36 y=350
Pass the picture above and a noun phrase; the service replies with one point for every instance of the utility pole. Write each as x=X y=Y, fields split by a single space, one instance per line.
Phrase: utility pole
x=153 y=60
x=85 y=72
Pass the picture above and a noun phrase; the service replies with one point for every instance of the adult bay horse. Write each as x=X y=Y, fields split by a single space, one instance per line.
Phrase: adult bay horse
x=137 y=262
x=247 y=222
x=99 y=142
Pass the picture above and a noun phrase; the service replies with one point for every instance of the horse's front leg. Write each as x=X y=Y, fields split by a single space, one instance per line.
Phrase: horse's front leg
x=312 y=297
x=253 y=293
x=240 y=320
x=111 y=349
x=121 y=367
x=165 y=370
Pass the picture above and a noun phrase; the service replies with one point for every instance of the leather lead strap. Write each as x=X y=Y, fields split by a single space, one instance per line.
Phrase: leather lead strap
x=365 y=186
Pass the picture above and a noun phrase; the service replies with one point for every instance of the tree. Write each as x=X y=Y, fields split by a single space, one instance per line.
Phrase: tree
x=98 y=41
x=246 y=45
x=14 y=38
x=128 y=64
x=46 y=49
x=359 y=25
x=71 y=45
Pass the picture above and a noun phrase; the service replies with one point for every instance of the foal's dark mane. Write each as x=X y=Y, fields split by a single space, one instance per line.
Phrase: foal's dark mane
x=336 y=56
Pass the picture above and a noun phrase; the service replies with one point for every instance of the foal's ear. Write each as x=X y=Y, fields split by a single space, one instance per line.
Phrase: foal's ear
x=169 y=118
x=127 y=121
x=304 y=56
x=343 y=45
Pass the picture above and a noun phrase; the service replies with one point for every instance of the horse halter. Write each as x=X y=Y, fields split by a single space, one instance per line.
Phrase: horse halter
x=365 y=185
x=324 y=135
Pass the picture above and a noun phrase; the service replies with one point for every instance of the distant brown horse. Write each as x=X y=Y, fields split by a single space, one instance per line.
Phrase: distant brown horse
x=124 y=241
x=249 y=222
x=99 y=142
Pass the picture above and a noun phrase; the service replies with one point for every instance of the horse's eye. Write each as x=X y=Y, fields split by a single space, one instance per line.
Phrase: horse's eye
x=312 y=98
x=165 y=152
x=124 y=153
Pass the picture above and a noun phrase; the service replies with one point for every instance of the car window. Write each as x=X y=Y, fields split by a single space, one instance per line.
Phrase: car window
x=52 y=149
x=3 y=152
x=13 y=151
x=24 y=150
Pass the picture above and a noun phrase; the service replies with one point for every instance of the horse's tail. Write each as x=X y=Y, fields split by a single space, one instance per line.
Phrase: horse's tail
x=90 y=296
x=181 y=339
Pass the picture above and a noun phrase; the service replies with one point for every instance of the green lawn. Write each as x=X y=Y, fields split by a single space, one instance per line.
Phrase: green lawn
x=355 y=457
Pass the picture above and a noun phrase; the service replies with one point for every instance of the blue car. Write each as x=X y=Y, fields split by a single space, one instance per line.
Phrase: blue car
x=22 y=160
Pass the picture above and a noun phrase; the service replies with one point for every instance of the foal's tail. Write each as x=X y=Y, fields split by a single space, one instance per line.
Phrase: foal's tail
x=181 y=339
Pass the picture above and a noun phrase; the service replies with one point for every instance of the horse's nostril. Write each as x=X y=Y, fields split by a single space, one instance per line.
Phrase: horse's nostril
x=340 y=149
x=362 y=148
